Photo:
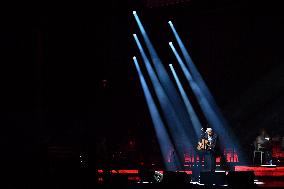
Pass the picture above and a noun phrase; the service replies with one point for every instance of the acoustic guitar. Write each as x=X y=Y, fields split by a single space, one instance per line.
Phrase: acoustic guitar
x=203 y=144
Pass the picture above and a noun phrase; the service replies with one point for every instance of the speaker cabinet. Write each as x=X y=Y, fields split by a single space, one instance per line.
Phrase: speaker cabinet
x=171 y=177
x=241 y=178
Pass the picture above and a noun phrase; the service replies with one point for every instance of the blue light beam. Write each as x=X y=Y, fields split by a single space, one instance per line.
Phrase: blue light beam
x=166 y=82
x=195 y=74
x=209 y=113
x=161 y=133
x=177 y=132
x=194 y=119
x=200 y=82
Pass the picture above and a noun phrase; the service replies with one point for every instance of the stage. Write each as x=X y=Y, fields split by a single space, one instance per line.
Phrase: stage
x=265 y=176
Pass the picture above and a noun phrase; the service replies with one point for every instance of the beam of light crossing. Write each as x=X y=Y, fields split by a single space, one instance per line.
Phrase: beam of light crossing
x=197 y=77
x=200 y=82
x=173 y=123
x=161 y=133
x=209 y=113
x=194 y=119
x=166 y=82
x=193 y=70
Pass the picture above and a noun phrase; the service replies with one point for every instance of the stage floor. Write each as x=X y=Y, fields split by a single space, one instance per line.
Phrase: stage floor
x=265 y=171
x=266 y=176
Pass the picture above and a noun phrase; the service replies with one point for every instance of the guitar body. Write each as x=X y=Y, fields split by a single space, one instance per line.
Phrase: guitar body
x=203 y=145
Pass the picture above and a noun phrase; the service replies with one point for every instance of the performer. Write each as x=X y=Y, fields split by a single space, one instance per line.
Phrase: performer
x=264 y=144
x=207 y=149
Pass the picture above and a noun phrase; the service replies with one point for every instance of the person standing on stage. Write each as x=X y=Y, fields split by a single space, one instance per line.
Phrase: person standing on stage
x=207 y=149
x=264 y=144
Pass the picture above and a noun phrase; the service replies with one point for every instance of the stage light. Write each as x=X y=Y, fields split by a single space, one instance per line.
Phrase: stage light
x=227 y=138
x=189 y=63
x=203 y=102
x=161 y=133
x=170 y=22
x=193 y=116
x=179 y=108
x=134 y=12
x=170 y=43
x=177 y=132
x=204 y=90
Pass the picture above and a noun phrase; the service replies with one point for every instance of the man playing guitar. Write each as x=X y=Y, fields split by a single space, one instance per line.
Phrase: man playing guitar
x=206 y=149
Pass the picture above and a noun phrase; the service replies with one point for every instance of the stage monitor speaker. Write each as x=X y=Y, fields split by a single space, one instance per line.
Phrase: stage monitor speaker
x=172 y=177
x=210 y=178
x=150 y=176
x=241 y=178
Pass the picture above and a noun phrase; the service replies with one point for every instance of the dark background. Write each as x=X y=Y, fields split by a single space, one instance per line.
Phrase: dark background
x=67 y=78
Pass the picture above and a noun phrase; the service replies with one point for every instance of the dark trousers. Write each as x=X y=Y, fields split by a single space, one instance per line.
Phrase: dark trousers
x=209 y=163
x=209 y=160
x=267 y=157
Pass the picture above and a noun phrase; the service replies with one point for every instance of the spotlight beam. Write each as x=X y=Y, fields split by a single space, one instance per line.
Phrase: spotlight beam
x=166 y=82
x=172 y=121
x=194 y=119
x=203 y=87
x=197 y=76
x=203 y=102
x=195 y=73
x=167 y=108
x=161 y=133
